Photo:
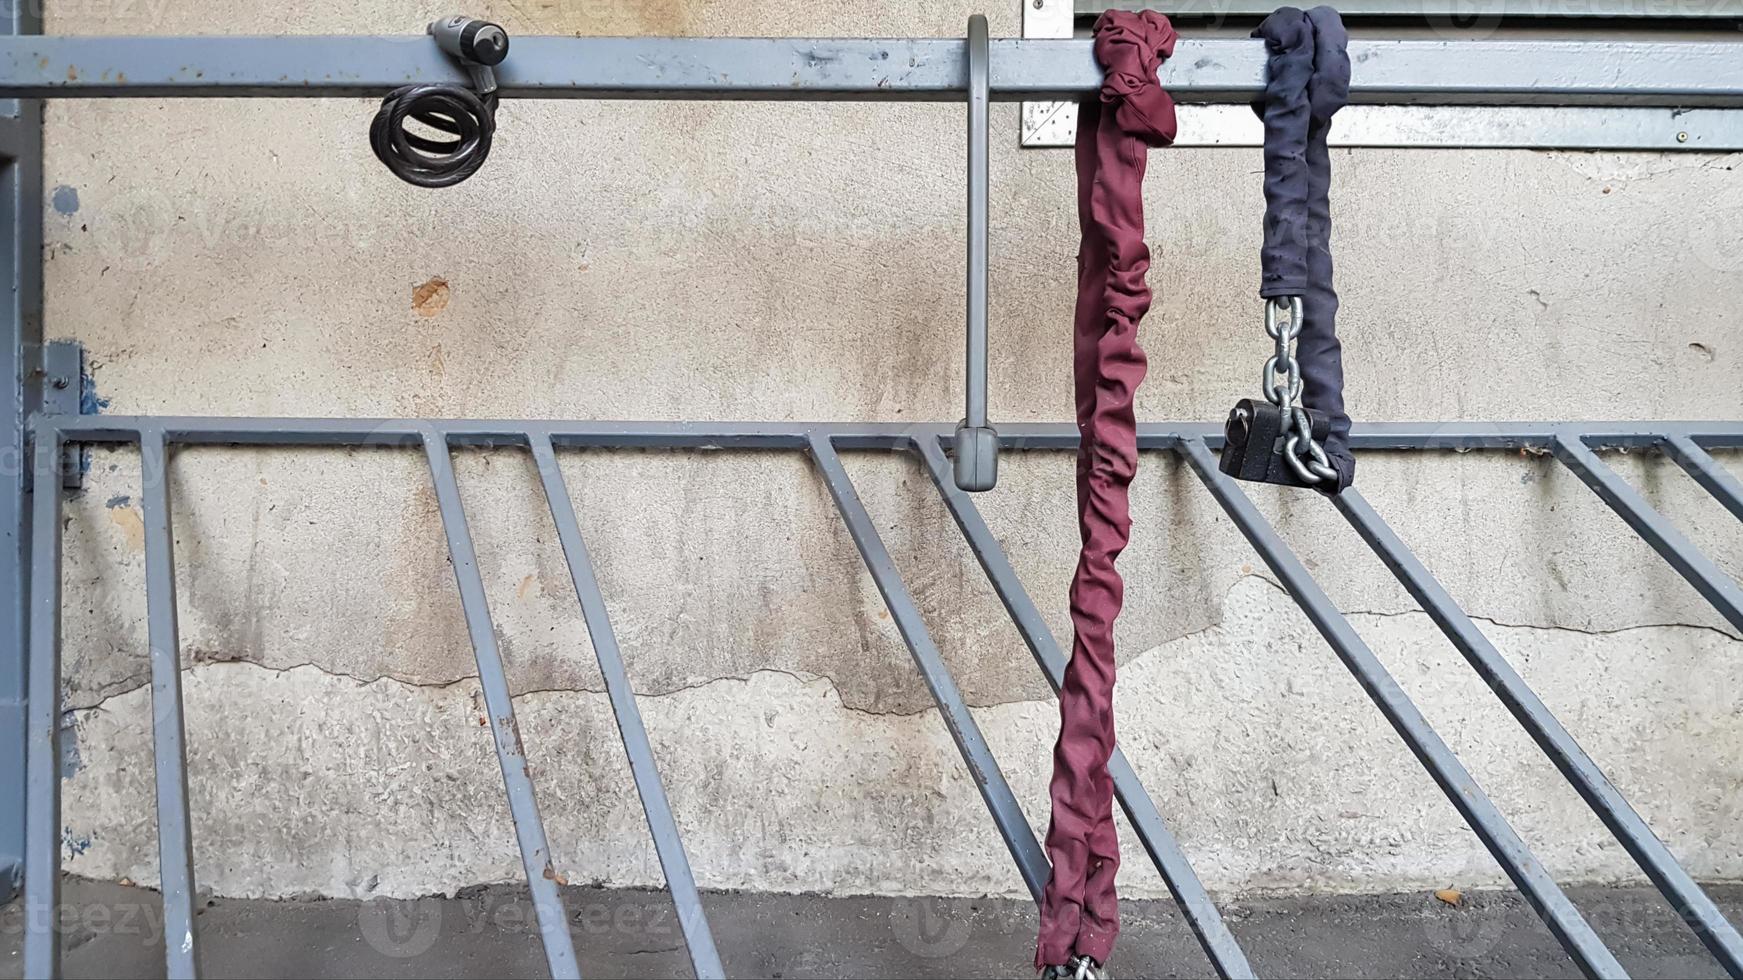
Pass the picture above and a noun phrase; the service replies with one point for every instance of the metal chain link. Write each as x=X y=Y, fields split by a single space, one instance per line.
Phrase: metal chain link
x=1077 y=968
x=1285 y=392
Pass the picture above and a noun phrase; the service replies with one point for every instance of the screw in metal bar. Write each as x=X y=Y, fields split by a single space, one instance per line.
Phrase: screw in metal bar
x=1201 y=913
x=1558 y=913
x=42 y=845
x=1700 y=571
x=977 y=443
x=1019 y=837
x=535 y=850
x=175 y=844
x=668 y=844
x=1696 y=909
x=1707 y=471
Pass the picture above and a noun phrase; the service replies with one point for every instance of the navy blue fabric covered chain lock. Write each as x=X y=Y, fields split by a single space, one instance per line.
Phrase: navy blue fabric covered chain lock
x=1298 y=435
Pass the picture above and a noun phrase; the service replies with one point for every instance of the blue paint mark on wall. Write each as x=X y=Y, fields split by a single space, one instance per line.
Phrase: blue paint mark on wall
x=71 y=760
x=90 y=403
x=66 y=199
x=119 y=500
x=73 y=846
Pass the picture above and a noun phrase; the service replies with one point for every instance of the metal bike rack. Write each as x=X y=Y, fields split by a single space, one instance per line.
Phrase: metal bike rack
x=1510 y=73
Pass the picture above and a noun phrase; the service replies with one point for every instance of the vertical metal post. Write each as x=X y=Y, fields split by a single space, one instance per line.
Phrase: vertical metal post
x=1201 y=913
x=1534 y=716
x=1552 y=904
x=1707 y=578
x=704 y=957
x=977 y=444
x=175 y=844
x=42 y=853
x=1019 y=837
x=20 y=340
x=1708 y=472
x=523 y=808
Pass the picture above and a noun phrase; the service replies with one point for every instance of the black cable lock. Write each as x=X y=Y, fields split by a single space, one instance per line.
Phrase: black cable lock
x=1299 y=434
x=467 y=117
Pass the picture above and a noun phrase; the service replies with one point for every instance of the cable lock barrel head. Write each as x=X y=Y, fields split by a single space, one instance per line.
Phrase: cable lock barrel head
x=471 y=40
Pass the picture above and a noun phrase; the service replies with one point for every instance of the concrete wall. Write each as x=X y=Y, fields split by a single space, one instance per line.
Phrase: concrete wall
x=692 y=261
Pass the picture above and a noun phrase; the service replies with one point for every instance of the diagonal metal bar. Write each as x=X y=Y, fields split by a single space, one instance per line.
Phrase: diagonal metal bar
x=1696 y=909
x=1563 y=919
x=1195 y=902
x=1707 y=471
x=535 y=851
x=704 y=957
x=1700 y=571
x=1000 y=801
x=175 y=844
x=42 y=845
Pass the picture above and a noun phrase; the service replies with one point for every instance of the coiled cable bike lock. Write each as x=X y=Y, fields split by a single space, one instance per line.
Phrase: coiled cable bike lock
x=466 y=116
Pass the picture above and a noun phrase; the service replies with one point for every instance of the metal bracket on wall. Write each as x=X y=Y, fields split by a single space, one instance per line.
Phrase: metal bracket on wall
x=1048 y=123
x=63 y=393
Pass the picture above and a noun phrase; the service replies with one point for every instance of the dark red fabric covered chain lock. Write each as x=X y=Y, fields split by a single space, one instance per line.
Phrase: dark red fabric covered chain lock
x=1079 y=910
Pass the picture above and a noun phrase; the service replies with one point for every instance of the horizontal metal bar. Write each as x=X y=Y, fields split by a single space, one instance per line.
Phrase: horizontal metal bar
x=523 y=807
x=1691 y=903
x=1007 y=815
x=1435 y=72
x=668 y=844
x=175 y=842
x=408 y=433
x=1463 y=11
x=1708 y=472
x=1177 y=873
x=1708 y=579
x=1532 y=879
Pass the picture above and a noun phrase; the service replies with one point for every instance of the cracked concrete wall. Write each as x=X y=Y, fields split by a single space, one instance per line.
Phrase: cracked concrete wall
x=651 y=261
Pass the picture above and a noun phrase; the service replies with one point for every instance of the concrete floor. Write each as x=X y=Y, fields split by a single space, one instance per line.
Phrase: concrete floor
x=488 y=931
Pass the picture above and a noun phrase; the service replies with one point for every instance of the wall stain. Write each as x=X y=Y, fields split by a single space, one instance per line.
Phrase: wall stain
x=65 y=199
x=426 y=634
x=430 y=297
x=73 y=846
x=132 y=526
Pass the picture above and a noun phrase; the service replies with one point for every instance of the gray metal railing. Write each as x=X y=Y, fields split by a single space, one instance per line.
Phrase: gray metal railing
x=1581 y=77
x=823 y=443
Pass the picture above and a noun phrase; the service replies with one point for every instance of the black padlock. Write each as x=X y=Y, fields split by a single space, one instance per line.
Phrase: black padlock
x=1255 y=445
